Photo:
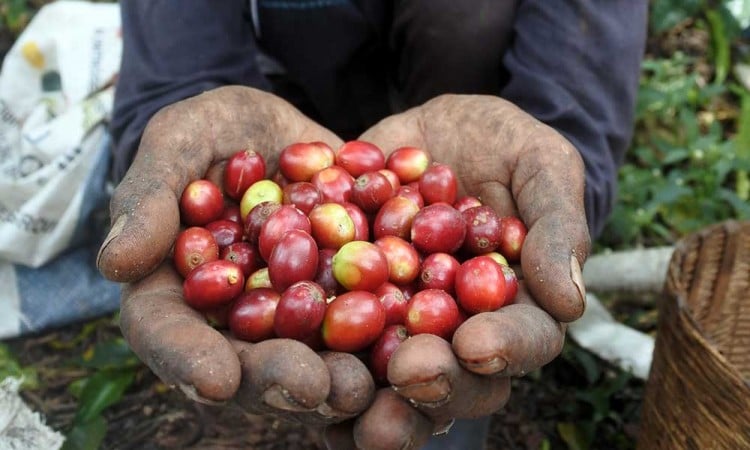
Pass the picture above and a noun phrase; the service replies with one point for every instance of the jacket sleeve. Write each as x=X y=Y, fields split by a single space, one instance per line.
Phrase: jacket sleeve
x=172 y=50
x=575 y=65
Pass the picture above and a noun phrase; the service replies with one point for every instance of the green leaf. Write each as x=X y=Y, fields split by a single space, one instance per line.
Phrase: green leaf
x=723 y=167
x=102 y=390
x=689 y=124
x=16 y=14
x=743 y=185
x=598 y=398
x=599 y=395
x=646 y=155
x=86 y=436
x=112 y=354
x=617 y=383
x=709 y=92
x=666 y=14
x=589 y=364
x=741 y=207
x=721 y=45
x=741 y=144
x=667 y=194
x=666 y=237
x=573 y=436
x=620 y=228
x=76 y=387
x=85 y=332
x=10 y=367
x=676 y=155
x=742 y=139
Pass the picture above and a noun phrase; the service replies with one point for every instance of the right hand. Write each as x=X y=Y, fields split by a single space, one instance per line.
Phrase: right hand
x=181 y=143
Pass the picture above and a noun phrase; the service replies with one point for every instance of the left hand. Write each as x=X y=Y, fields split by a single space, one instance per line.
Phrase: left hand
x=518 y=166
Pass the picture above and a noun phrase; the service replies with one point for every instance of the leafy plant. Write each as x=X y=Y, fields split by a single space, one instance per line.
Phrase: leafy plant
x=595 y=409
x=666 y=14
x=114 y=368
x=10 y=367
x=14 y=15
x=689 y=160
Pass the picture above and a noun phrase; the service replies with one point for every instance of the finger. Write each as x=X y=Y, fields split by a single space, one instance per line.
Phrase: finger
x=352 y=391
x=508 y=151
x=390 y=423
x=352 y=386
x=178 y=145
x=174 y=340
x=548 y=186
x=546 y=191
x=511 y=341
x=281 y=376
x=424 y=370
x=523 y=297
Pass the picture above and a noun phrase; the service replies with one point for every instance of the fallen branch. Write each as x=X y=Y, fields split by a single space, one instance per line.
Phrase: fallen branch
x=640 y=270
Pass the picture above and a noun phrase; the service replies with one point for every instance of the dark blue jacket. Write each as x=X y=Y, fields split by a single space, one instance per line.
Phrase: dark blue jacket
x=573 y=64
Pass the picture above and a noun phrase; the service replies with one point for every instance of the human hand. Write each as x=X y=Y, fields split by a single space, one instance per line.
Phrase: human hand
x=521 y=167
x=183 y=350
x=180 y=144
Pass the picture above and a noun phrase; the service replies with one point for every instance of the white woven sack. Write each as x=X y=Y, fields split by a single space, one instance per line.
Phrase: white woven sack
x=56 y=92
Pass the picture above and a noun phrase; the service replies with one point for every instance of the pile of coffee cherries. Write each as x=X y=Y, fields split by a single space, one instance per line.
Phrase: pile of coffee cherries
x=346 y=250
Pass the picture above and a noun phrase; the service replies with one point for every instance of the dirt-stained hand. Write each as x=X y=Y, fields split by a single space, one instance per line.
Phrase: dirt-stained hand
x=181 y=143
x=520 y=167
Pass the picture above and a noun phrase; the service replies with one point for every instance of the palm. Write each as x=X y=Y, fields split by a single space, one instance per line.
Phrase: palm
x=518 y=166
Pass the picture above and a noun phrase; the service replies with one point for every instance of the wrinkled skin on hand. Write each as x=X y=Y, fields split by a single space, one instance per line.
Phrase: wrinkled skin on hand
x=181 y=143
x=521 y=167
x=511 y=161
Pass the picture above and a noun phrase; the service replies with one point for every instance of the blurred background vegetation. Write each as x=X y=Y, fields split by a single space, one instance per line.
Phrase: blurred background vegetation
x=688 y=167
x=690 y=155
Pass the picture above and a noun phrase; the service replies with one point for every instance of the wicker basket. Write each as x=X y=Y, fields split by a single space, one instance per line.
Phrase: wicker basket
x=698 y=393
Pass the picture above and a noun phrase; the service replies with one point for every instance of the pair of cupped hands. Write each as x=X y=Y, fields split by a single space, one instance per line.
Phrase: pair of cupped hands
x=514 y=163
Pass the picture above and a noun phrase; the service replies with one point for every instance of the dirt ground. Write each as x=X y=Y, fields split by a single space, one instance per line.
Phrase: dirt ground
x=152 y=416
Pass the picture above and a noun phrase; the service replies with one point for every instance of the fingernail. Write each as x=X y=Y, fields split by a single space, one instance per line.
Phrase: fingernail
x=491 y=366
x=192 y=393
x=430 y=394
x=113 y=233
x=326 y=411
x=278 y=398
x=577 y=276
x=443 y=428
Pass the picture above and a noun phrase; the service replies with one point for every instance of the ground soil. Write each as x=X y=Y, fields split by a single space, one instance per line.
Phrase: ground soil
x=152 y=416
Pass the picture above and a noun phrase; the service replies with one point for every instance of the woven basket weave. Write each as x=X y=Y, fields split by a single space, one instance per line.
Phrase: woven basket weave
x=698 y=392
